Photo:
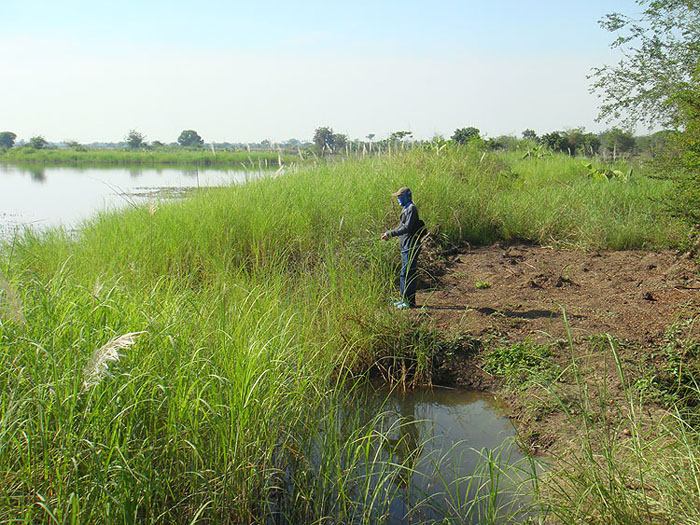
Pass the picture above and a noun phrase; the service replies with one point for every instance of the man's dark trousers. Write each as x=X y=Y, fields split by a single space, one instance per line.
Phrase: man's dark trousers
x=409 y=260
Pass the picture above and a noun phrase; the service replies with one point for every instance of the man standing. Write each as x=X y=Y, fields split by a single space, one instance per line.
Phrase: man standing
x=407 y=232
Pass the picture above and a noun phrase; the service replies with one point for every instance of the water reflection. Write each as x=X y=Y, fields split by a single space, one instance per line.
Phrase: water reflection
x=442 y=455
x=42 y=196
x=37 y=173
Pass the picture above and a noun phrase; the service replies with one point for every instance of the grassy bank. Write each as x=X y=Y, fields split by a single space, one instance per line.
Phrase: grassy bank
x=628 y=420
x=255 y=306
x=182 y=157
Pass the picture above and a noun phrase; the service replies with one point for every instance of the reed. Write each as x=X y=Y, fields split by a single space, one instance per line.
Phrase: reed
x=175 y=156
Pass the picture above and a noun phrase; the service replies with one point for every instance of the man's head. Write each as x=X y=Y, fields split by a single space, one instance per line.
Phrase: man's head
x=404 y=196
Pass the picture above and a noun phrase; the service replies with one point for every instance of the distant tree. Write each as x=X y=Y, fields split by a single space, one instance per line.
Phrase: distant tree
x=529 y=134
x=618 y=141
x=555 y=141
x=157 y=144
x=339 y=140
x=326 y=140
x=265 y=144
x=323 y=138
x=654 y=143
x=398 y=136
x=294 y=143
x=590 y=144
x=75 y=145
x=371 y=136
x=135 y=139
x=503 y=142
x=7 y=139
x=464 y=135
x=38 y=142
x=189 y=138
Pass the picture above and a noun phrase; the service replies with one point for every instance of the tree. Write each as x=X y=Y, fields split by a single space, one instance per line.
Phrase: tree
x=38 y=142
x=7 y=139
x=658 y=82
x=555 y=141
x=398 y=136
x=529 y=134
x=323 y=138
x=75 y=145
x=618 y=141
x=682 y=154
x=135 y=139
x=326 y=140
x=189 y=138
x=464 y=135
x=660 y=52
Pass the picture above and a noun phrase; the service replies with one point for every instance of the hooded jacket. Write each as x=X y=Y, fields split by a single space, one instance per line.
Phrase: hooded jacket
x=407 y=228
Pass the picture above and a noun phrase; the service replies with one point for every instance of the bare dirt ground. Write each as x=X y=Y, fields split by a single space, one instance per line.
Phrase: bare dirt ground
x=507 y=294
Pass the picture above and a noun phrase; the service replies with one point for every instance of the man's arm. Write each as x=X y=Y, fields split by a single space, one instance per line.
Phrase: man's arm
x=409 y=226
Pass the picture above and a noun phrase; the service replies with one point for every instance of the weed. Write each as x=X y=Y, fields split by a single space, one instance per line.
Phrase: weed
x=520 y=363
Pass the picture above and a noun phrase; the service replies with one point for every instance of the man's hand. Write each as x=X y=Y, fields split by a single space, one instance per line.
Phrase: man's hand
x=385 y=237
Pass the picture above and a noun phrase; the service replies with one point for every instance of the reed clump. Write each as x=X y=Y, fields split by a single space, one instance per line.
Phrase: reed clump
x=175 y=156
x=258 y=305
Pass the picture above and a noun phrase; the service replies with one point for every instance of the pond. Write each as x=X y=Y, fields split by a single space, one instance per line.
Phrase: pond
x=424 y=456
x=41 y=196
x=463 y=458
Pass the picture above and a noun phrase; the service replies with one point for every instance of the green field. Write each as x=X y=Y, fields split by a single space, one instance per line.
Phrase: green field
x=260 y=305
x=169 y=156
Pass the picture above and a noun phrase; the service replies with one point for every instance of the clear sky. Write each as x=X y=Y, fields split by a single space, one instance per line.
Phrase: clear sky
x=244 y=72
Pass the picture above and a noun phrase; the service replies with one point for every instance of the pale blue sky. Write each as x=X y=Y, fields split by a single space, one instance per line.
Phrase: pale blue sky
x=245 y=72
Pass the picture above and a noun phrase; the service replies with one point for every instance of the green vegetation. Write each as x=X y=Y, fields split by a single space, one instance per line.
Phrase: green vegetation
x=623 y=468
x=464 y=135
x=518 y=364
x=256 y=307
x=135 y=140
x=38 y=142
x=658 y=82
x=189 y=138
x=626 y=462
x=7 y=139
x=327 y=141
x=178 y=156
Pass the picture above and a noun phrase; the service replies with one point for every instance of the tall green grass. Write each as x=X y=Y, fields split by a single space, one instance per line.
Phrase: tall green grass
x=629 y=469
x=259 y=304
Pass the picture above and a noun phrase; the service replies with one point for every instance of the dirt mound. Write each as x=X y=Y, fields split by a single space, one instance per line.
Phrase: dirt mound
x=522 y=291
x=503 y=295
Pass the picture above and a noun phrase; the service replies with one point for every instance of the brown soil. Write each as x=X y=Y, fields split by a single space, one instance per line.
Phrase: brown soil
x=500 y=295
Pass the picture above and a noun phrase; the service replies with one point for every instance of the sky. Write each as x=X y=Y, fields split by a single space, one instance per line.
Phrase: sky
x=245 y=72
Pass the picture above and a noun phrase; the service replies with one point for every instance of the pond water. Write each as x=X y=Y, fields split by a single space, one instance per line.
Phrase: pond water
x=459 y=451
x=424 y=456
x=40 y=196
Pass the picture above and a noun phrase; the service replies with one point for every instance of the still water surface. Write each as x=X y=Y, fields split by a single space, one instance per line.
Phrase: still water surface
x=41 y=196
x=444 y=436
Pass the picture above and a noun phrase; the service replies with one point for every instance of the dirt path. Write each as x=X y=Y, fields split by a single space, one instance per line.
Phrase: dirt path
x=508 y=294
